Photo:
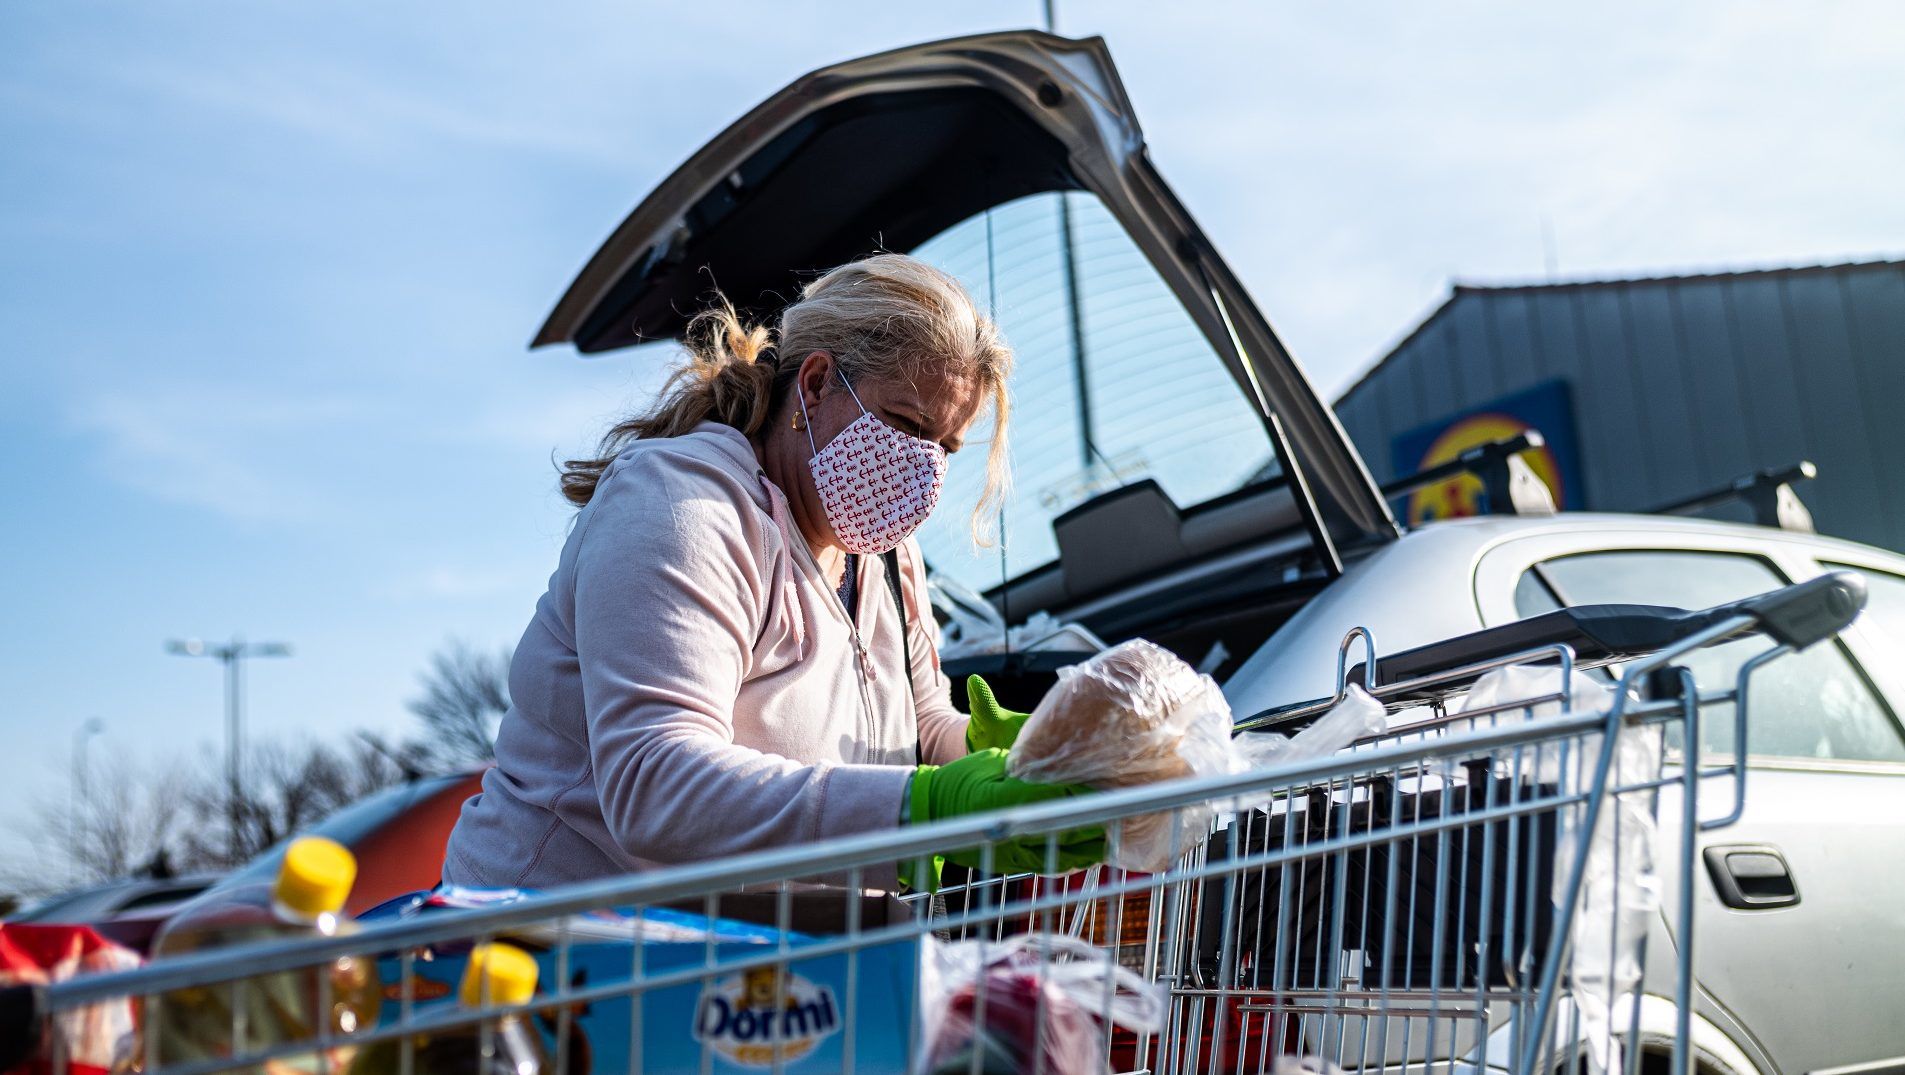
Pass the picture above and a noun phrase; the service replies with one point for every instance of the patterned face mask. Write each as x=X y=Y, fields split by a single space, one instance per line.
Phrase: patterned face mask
x=876 y=484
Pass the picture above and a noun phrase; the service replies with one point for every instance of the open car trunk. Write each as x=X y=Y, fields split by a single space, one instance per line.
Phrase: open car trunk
x=1176 y=471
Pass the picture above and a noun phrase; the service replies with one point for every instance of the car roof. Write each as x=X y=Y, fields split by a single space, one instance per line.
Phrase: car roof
x=1421 y=589
x=1487 y=529
x=110 y=897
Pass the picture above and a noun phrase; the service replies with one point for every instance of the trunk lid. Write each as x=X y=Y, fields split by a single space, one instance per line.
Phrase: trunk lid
x=889 y=151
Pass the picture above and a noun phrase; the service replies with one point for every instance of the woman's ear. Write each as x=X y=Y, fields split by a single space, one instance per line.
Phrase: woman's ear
x=815 y=377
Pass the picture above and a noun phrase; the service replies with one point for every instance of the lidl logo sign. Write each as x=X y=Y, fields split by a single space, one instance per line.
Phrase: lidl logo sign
x=766 y=1015
x=1461 y=496
x=1544 y=408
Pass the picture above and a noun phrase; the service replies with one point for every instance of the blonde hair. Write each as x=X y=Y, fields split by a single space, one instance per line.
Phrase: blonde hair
x=887 y=317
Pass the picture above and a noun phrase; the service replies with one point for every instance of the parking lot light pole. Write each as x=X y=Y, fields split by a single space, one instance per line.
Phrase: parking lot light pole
x=90 y=727
x=232 y=655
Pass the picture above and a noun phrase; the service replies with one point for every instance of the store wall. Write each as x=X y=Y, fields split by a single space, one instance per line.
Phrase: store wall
x=1676 y=385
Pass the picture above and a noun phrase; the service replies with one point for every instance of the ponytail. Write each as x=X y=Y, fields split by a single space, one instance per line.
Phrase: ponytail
x=730 y=377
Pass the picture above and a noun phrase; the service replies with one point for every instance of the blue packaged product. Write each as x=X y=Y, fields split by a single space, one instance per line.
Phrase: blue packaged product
x=805 y=1008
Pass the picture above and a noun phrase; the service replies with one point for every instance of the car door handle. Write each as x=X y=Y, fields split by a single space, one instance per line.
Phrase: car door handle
x=1751 y=877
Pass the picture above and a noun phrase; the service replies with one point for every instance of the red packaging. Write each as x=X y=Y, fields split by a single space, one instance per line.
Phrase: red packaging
x=42 y=955
x=1037 y=1003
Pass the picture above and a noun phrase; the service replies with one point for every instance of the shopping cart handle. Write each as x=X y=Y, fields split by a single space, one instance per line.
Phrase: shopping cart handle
x=1796 y=615
x=1807 y=612
x=1599 y=634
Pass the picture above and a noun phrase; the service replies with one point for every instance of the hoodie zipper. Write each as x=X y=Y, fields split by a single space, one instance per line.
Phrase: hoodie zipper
x=867 y=675
x=862 y=657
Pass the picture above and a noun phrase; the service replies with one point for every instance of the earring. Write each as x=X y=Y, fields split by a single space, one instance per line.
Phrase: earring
x=798 y=424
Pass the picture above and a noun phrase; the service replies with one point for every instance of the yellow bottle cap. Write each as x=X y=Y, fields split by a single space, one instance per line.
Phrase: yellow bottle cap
x=498 y=974
x=316 y=876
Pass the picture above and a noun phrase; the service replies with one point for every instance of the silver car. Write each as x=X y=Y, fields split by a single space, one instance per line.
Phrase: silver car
x=1177 y=478
x=1800 y=937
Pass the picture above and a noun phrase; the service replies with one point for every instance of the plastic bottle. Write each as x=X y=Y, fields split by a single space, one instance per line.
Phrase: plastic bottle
x=306 y=900
x=498 y=975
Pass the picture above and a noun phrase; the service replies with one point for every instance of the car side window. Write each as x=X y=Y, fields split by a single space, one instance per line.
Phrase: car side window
x=1812 y=704
x=1533 y=597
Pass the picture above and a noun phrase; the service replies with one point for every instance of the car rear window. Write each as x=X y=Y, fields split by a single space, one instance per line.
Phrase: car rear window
x=1113 y=382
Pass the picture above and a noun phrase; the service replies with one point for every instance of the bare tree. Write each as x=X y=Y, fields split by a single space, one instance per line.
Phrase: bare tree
x=154 y=821
x=126 y=824
x=466 y=693
x=141 y=821
x=291 y=785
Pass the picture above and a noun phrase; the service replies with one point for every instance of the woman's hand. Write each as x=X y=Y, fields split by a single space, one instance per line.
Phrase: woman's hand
x=991 y=726
x=977 y=783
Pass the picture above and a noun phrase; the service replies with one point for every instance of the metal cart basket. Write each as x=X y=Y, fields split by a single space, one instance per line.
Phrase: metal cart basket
x=1477 y=888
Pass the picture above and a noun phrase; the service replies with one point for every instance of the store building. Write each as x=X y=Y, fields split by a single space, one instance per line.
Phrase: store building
x=1649 y=391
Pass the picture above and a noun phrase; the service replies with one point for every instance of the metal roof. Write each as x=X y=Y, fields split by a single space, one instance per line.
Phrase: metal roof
x=1458 y=288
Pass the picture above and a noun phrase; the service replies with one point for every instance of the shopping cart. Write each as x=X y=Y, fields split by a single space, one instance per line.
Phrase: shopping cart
x=1473 y=890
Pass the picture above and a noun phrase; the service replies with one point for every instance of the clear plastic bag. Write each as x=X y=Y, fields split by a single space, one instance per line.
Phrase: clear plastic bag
x=1357 y=716
x=1620 y=890
x=1136 y=714
x=1289 y=1064
x=1039 y=993
x=970 y=626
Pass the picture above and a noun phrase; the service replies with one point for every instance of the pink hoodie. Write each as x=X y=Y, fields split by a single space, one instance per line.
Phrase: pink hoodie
x=688 y=687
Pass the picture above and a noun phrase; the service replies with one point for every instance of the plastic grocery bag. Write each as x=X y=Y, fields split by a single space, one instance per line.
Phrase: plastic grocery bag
x=1356 y=716
x=1312 y=1064
x=1620 y=891
x=1136 y=714
x=1034 y=1002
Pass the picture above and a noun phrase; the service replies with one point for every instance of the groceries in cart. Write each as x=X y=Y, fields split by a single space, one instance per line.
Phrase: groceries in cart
x=33 y=957
x=1034 y=1002
x=1136 y=714
x=649 y=925
x=801 y=1009
x=1619 y=889
x=497 y=975
x=339 y=996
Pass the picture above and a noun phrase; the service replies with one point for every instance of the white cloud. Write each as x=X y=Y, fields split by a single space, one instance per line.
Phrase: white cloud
x=447 y=583
x=215 y=447
x=365 y=112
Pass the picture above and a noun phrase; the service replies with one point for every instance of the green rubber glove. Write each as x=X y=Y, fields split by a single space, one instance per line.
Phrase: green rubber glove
x=991 y=725
x=977 y=783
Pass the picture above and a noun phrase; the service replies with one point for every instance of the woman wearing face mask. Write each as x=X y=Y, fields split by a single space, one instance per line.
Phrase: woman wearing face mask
x=719 y=665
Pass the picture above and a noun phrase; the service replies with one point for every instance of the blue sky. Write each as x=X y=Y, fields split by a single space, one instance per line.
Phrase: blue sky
x=269 y=269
